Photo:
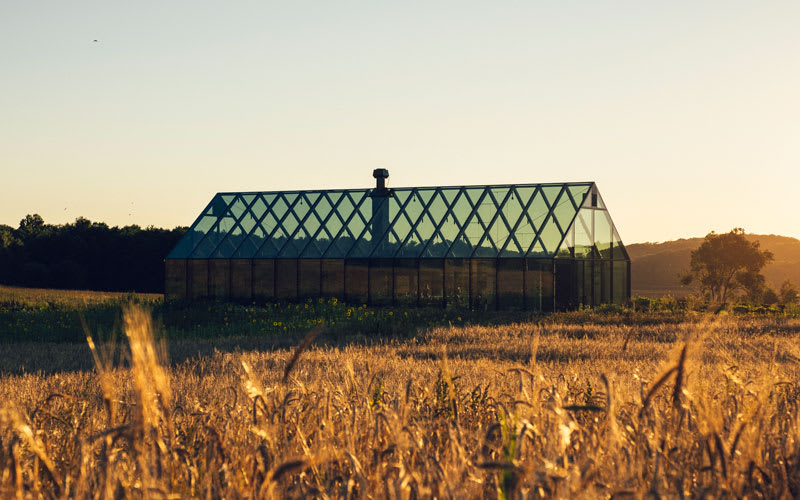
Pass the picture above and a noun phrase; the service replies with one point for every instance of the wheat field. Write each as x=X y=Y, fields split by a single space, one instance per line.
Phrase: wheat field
x=706 y=407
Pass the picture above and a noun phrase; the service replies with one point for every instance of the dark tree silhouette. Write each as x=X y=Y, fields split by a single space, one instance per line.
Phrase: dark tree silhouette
x=85 y=255
x=727 y=262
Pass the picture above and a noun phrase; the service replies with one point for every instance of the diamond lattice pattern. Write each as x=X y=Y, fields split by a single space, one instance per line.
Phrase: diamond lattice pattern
x=458 y=222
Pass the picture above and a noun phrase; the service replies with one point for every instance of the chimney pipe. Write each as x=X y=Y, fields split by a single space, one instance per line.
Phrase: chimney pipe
x=380 y=212
x=380 y=174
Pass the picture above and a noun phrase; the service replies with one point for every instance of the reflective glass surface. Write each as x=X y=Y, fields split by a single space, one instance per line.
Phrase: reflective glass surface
x=533 y=246
x=592 y=234
x=431 y=222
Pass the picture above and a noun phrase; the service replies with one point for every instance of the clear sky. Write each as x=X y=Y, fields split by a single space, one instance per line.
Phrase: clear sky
x=686 y=114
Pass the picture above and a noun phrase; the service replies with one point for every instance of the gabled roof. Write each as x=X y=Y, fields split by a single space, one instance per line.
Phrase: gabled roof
x=533 y=220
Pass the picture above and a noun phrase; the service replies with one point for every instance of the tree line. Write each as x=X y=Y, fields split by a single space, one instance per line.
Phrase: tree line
x=85 y=255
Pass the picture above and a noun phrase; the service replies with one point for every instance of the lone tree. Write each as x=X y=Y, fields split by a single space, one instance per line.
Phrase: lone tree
x=726 y=262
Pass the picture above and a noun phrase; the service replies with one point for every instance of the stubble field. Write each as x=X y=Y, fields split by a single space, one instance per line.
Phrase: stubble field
x=579 y=405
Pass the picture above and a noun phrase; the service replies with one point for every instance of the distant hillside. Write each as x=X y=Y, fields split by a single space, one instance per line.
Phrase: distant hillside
x=655 y=266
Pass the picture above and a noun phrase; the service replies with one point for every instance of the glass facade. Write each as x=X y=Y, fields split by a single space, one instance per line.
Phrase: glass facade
x=535 y=247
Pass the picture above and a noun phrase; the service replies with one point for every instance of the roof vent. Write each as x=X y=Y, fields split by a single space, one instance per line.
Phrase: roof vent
x=380 y=174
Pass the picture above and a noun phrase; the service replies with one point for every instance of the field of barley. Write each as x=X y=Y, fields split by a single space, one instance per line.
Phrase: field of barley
x=578 y=405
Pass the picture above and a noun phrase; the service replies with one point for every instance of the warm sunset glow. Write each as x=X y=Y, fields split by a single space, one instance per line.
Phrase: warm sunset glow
x=686 y=115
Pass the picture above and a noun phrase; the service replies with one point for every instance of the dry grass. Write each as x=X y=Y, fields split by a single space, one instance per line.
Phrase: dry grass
x=704 y=408
x=48 y=296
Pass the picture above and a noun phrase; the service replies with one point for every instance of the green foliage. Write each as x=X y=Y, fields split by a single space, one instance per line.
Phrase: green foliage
x=84 y=255
x=48 y=320
x=788 y=294
x=728 y=262
x=378 y=393
x=667 y=303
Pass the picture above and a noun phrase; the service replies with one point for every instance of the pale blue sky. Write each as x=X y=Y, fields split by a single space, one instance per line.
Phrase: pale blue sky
x=686 y=114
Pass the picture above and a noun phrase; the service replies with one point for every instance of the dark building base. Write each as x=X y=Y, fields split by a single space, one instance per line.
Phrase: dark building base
x=540 y=285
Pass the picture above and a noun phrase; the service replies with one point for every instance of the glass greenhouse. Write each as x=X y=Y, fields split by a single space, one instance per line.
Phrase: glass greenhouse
x=538 y=247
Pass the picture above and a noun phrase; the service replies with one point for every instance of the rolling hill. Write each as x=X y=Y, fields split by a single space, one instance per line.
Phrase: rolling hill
x=655 y=267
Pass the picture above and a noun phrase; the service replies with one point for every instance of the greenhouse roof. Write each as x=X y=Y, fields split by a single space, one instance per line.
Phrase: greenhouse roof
x=524 y=220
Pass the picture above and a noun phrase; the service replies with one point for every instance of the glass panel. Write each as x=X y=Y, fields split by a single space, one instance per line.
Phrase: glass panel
x=241 y=278
x=269 y=199
x=431 y=273
x=500 y=230
x=457 y=282
x=603 y=233
x=198 y=278
x=411 y=244
x=538 y=250
x=219 y=272
x=461 y=211
x=289 y=224
x=310 y=277
x=605 y=281
x=515 y=216
x=230 y=242
x=356 y=281
x=192 y=237
x=405 y=281
x=312 y=224
x=618 y=248
x=509 y=283
x=597 y=282
x=566 y=283
x=214 y=236
x=334 y=197
x=539 y=285
x=537 y=211
x=594 y=200
x=567 y=248
x=272 y=245
x=278 y=209
x=247 y=222
x=435 y=244
x=578 y=192
x=484 y=279
x=251 y=244
x=551 y=194
x=301 y=207
x=333 y=278
x=450 y=195
x=380 y=281
x=564 y=212
x=286 y=278
x=315 y=226
x=264 y=278
x=475 y=229
x=461 y=248
x=550 y=236
x=379 y=229
x=357 y=227
x=451 y=225
x=218 y=205
x=238 y=207
x=400 y=225
x=258 y=208
x=313 y=250
x=588 y=283
x=296 y=242
x=486 y=212
x=583 y=234
x=620 y=282
x=525 y=195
